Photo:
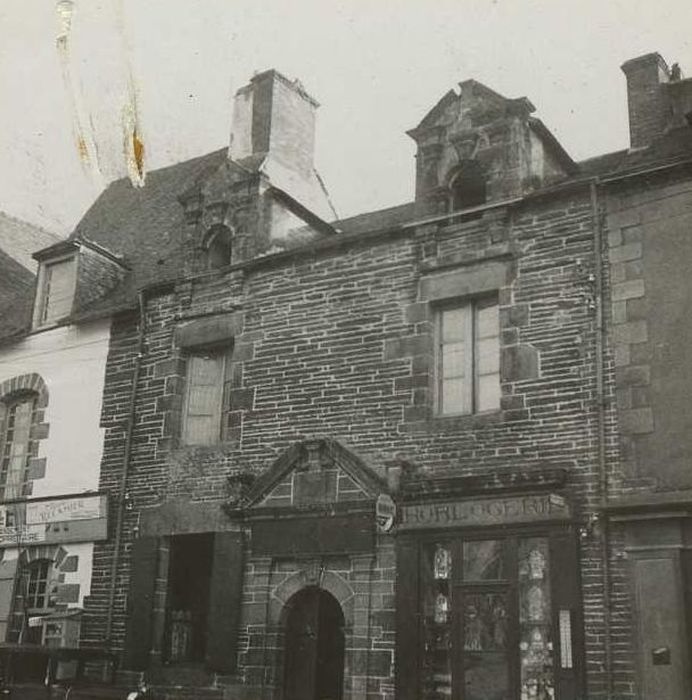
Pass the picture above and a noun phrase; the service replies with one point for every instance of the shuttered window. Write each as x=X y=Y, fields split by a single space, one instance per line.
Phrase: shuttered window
x=468 y=357
x=204 y=399
x=57 y=292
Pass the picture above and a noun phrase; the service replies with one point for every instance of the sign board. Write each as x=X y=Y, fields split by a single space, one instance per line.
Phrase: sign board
x=54 y=520
x=385 y=512
x=481 y=512
x=61 y=510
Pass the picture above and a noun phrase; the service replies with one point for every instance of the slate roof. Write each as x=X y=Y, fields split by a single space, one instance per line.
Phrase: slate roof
x=20 y=239
x=144 y=225
x=14 y=278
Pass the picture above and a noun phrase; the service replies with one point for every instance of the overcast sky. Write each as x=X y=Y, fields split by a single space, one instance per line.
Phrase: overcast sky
x=376 y=67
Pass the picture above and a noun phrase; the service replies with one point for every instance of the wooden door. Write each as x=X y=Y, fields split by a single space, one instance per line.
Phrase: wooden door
x=314 y=644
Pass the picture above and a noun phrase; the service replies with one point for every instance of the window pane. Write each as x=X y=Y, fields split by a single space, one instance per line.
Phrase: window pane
x=453 y=358
x=483 y=560
x=487 y=321
x=58 y=290
x=535 y=619
x=202 y=430
x=437 y=595
x=488 y=392
x=205 y=370
x=203 y=408
x=202 y=400
x=486 y=672
x=488 y=356
x=453 y=396
x=454 y=324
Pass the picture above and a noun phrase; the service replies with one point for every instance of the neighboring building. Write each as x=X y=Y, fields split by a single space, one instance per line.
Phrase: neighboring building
x=410 y=454
x=51 y=385
x=18 y=240
x=649 y=228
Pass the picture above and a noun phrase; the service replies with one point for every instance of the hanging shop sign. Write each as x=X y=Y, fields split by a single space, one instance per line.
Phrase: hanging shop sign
x=54 y=520
x=385 y=512
x=481 y=512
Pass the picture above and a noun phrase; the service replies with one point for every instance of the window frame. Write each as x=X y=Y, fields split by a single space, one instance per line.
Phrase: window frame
x=470 y=389
x=43 y=290
x=11 y=405
x=221 y=354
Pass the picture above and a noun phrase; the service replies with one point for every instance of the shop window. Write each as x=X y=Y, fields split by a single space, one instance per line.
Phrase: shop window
x=204 y=397
x=219 y=247
x=17 y=445
x=187 y=607
x=488 y=603
x=57 y=281
x=467 y=187
x=468 y=357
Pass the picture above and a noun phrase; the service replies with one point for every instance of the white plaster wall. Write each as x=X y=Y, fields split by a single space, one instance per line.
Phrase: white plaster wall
x=71 y=360
x=85 y=552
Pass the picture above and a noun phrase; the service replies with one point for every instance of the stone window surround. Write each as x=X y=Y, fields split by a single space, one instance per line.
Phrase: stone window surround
x=29 y=384
x=213 y=332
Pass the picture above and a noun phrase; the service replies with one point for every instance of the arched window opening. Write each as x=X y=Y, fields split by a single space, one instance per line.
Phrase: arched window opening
x=16 y=444
x=219 y=247
x=467 y=188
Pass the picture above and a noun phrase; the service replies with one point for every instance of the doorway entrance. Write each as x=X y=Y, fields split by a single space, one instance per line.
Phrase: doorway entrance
x=314 y=644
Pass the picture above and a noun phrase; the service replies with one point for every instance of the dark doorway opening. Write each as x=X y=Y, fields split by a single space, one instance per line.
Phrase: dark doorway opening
x=188 y=597
x=314 y=644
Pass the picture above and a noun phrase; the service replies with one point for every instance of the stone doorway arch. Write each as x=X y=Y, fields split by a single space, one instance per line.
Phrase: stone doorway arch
x=314 y=646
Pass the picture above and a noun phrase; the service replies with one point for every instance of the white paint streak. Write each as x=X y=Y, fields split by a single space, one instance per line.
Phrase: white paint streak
x=86 y=147
x=133 y=133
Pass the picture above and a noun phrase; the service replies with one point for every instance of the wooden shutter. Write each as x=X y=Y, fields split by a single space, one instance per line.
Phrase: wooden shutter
x=225 y=591
x=407 y=616
x=138 y=635
x=566 y=596
x=8 y=570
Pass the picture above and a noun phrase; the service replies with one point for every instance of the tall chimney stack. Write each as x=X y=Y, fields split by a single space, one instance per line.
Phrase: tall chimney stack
x=273 y=115
x=647 y=98
x=274 y=121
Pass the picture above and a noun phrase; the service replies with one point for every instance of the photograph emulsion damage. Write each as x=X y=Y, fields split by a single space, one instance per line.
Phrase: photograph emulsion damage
x=393 y=405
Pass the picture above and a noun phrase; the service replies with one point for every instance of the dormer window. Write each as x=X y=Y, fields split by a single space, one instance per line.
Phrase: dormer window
x=56 y=289
x=467 y=187
x=218 y=245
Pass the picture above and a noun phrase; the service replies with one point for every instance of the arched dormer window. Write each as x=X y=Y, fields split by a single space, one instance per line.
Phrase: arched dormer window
x=467 y=187
x=218 y=244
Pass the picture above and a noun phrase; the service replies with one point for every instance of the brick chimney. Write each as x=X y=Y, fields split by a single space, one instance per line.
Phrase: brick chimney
x=273 y=115
x=647 y=98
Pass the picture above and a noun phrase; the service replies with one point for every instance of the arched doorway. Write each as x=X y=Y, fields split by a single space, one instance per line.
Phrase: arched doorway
x=314 y=644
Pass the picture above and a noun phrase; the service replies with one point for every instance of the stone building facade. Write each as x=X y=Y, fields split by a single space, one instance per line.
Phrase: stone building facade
x=410 y=454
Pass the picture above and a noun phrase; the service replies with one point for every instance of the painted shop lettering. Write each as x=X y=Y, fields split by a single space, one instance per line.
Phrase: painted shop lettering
x=485 y=511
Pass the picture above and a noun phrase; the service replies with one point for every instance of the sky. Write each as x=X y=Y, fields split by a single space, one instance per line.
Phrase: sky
x=171 y=67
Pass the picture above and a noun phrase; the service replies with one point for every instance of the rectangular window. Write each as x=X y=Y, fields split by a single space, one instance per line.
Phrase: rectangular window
x=57 y=291
x=204 y=399
x=468 y=357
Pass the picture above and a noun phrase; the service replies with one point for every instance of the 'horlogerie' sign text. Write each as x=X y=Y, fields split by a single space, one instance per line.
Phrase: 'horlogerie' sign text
x=485 y=511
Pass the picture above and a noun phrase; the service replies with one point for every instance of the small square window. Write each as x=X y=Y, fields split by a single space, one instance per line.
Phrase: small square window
x=468 y=357
x=204 y=398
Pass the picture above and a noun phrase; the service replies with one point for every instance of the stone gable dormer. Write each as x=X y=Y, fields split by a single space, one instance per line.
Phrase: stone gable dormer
x=476 y=146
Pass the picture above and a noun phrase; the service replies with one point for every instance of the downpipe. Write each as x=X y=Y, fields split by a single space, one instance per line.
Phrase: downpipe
x=601 y=420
